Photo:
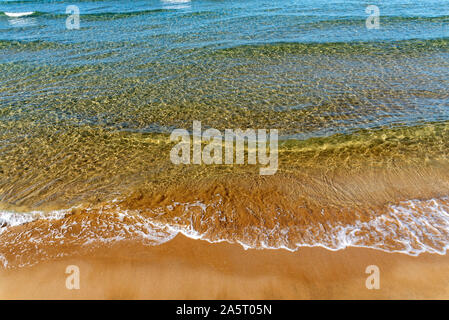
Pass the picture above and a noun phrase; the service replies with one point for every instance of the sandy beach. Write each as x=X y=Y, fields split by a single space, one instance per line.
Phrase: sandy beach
x=193 y=269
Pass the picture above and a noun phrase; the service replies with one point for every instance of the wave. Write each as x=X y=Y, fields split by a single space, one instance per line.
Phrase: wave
x=412 y=46
x=89 y=16
x=411 y=227
x=43 y=232
x=31 y=45
x=12 y=219
x=408 y=227
x=320 y=22
x=120 y=15
x=18 y=14
x=302 y=21
x=280 y=48
x=385 y=20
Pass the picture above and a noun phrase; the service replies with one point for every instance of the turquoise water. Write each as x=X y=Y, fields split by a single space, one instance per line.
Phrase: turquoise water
x=201 y=51
x=237 y=56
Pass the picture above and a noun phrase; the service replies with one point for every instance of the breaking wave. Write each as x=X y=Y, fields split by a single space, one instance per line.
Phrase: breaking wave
x=411 y=227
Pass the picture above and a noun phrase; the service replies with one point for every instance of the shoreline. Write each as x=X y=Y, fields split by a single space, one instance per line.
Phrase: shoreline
x=184 y=268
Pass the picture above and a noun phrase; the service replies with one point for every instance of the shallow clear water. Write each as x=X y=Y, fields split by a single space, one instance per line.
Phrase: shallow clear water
x=131 y=61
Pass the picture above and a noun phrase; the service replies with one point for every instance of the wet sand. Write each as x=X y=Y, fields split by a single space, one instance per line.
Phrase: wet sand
x=192 y=269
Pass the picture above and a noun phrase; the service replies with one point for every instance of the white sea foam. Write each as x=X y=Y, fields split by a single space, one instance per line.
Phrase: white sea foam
x=411 y=227
x=176 y=4
x=19 y=14
x=12 y=219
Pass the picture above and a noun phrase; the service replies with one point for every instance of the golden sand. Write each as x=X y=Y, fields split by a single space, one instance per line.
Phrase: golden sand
x=193 y=269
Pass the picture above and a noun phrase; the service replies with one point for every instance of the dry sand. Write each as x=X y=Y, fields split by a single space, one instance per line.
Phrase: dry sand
x=193 y=269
